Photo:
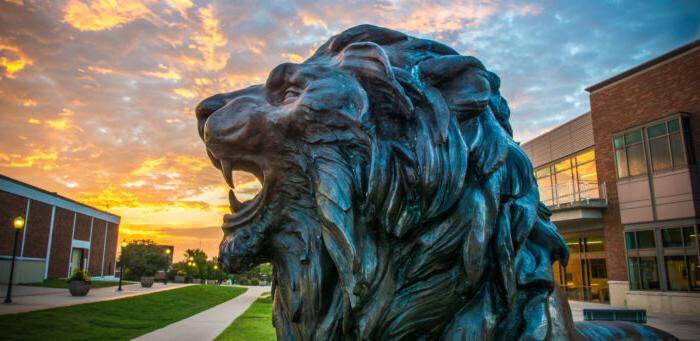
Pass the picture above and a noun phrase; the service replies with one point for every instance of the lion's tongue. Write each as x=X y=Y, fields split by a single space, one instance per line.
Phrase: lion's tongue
x=235 y=204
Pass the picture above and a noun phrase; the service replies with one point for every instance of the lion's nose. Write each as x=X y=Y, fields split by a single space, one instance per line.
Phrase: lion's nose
x=207 y=107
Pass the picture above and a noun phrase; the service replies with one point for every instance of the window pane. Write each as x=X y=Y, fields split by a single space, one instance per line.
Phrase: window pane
x=673 y=125
x=649 y=273
x=617 y=142
x=677 y=150
x=542 y=172
x=672 y=237
x=633 y=137
x=564 y=182
x=621 y=163
x=598 y=269
x=585 y=157
x=676 y=273
x=594 y=244
x=629 y=241
x=545 y=187
x=660 y=155
x=657 y=130
x=689 y=236
x=635 y=158
x=645 y=239
x=562 y=165
x=694 y=272
x=633 y=268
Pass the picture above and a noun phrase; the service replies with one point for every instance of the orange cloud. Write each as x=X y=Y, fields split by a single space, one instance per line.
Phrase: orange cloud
x=29 y=102
x=180 y=5
x=165 y=73
x=293 y=57
x=209 y=40
x=100 y=70
x=12 y=59
x=41 y=158
x=185 y=93
x=102 y=15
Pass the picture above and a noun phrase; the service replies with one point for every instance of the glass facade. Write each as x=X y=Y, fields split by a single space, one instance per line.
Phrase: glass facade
x=569 y=180
x=585 y=277
x=667 y=143
x=663 y=259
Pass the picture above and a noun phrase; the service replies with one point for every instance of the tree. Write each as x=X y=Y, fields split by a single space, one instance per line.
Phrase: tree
x=197 y=263
x=142 y=257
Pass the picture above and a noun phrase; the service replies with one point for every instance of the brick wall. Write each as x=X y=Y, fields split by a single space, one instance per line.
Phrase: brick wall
x=660 y=91
x=38 y=226
x=10 y=206
x=61 y=243
x=111 y=253
x=97 y=247
x=82 y=227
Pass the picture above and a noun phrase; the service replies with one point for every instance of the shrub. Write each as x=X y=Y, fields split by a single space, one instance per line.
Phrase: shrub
x=80 y=275
x=148 y=273
x=254 y=281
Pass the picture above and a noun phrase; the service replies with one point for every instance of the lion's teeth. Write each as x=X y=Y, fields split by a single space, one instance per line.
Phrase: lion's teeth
x=227 y=170
x=233 y=201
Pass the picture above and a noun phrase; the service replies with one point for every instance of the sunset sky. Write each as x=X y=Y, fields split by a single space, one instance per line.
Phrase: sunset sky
x=97 y=97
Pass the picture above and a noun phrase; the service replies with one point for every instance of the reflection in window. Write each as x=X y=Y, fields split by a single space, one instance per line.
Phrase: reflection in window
x=677 y=273
x=689 y=237
x=569 y=180
x=672 y=237
x=694 y=273
x=643 y=273
x=645 y=239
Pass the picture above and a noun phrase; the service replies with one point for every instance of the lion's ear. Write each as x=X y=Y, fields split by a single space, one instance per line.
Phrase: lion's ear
x=371 y=65
x=463 y=82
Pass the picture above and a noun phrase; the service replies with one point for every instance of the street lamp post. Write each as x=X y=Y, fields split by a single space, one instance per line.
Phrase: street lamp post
x=167 y=265
x=17 y=224
x=121 y=267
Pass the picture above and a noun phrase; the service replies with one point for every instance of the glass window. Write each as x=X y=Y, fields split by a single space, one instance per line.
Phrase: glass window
x=677 y=150
x=594 y=244
x=673 y=125
x=598 y=269
x=645 y=239
x=572 y=244
x=676 y=273
x=635 y=159
x=621 y=163
x=633 y=268
x=618 y=142
x=672 y=237
x=630 y=241
x=689 y=236
x=657 y=130
x=648 y=273
x=633 y=137
x=694 y=272
x=660 y=154
x=585 y=157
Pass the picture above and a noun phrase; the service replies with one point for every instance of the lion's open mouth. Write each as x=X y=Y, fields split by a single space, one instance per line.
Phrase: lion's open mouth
x=245 y=212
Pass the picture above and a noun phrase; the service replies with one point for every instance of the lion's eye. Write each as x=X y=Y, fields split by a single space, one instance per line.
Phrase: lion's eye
x=290 y=94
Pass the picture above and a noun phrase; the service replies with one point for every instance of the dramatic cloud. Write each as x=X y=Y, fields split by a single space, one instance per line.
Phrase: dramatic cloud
x=97 y=97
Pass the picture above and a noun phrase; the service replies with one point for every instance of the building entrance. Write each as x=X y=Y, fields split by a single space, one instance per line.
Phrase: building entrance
x=585 y=278
x=78 y=260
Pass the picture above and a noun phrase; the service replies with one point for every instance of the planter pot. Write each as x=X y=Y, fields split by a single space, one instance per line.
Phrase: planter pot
x=78 y=288
x=147 y=281
x=179 y=279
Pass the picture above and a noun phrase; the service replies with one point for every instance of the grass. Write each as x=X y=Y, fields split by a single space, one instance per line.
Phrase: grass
x=63 y=284
x=121 y=319
x=254 y=325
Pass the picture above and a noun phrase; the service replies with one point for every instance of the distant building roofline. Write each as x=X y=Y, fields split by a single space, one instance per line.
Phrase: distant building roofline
x=555 y=128
x=641 y=67
x=115 y=218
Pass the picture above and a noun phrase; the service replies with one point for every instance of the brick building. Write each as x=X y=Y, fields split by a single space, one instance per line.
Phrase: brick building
x=59 y=236
x=630 y=217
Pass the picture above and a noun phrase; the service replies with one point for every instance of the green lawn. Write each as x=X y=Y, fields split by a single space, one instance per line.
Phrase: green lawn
x=63 y=284
x=254 y=325
x=121 y=319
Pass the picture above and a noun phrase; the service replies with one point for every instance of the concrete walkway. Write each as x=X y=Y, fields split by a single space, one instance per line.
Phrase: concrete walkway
x=25 y=298
x=684 y=327
x=208 y=324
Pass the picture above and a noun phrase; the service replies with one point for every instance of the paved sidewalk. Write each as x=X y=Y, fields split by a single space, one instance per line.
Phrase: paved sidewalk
x=25 y=298
x=684 y=327
x=208 y=324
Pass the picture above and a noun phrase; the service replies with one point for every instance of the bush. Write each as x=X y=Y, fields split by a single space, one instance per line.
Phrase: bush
x=148 y=273
x=254 y=281
x=80 y=275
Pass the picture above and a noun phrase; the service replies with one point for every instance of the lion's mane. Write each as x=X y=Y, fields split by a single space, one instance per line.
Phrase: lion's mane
x=430 y=215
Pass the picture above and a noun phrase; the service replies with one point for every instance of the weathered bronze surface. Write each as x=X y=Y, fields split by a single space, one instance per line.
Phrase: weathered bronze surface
x=395 y=203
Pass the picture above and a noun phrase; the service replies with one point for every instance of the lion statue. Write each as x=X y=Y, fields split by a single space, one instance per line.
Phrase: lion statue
x=395 y=204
